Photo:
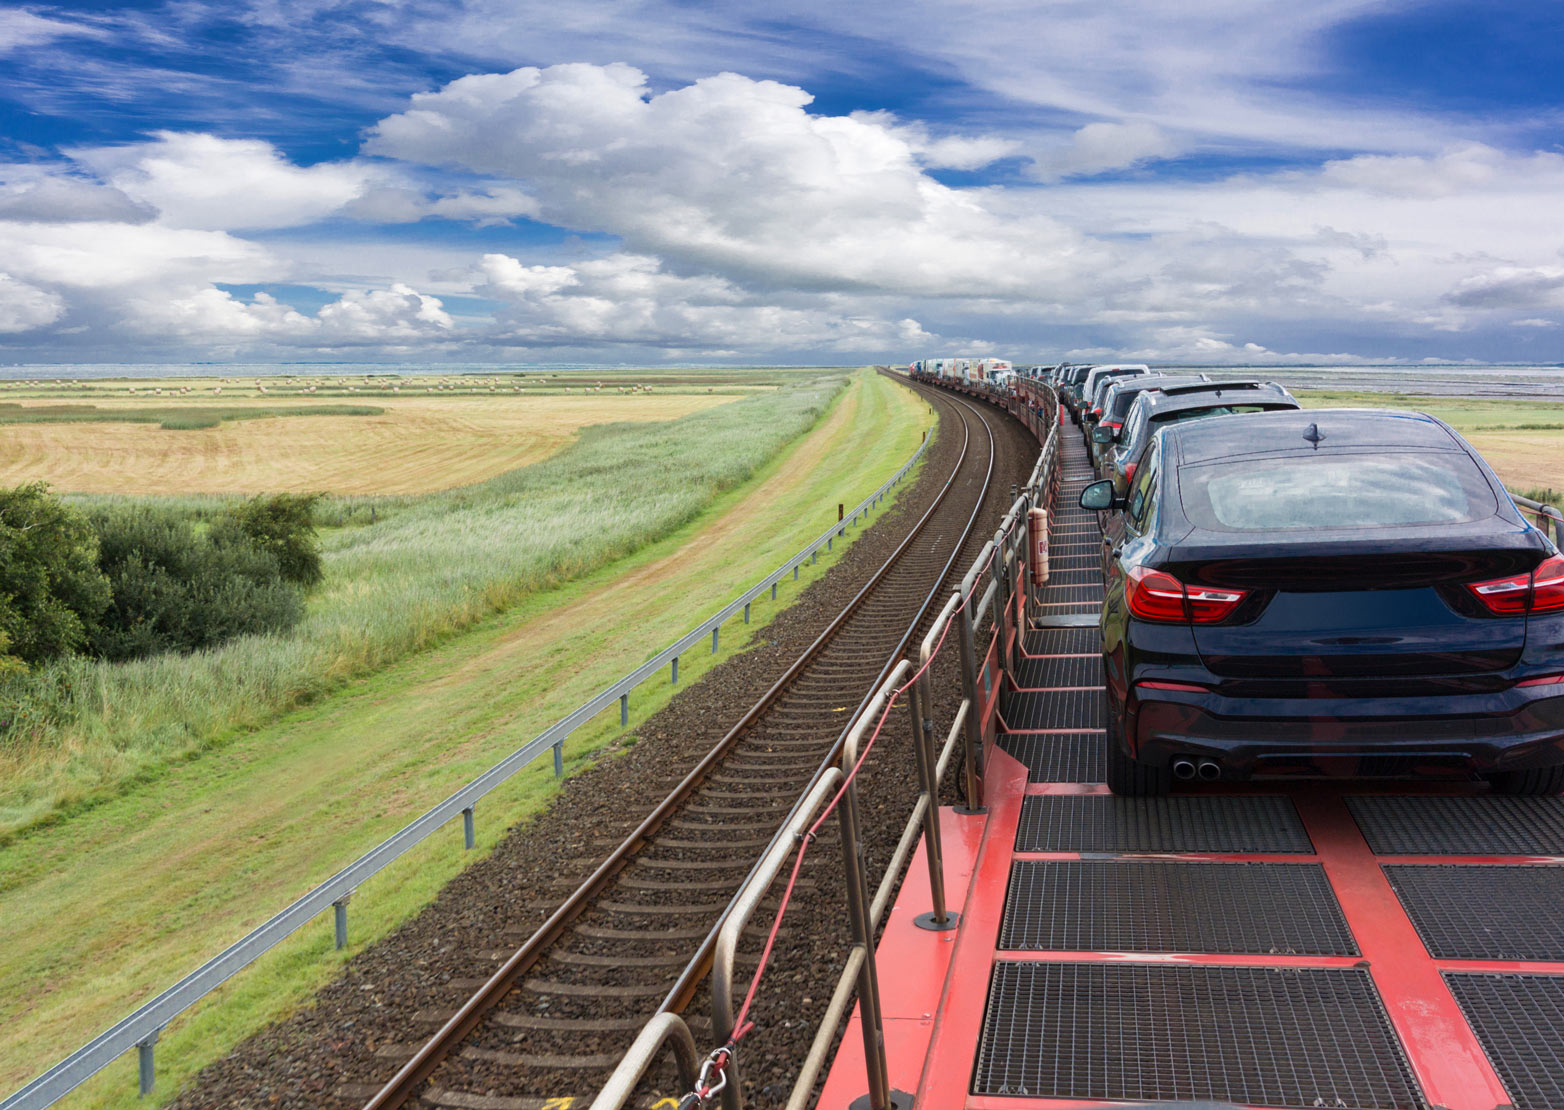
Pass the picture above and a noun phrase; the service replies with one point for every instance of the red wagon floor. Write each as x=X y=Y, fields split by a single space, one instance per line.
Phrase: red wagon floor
x=1374 y=945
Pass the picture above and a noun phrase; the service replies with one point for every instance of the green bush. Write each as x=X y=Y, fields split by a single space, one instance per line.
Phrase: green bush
x=284 y=527
x=177 y=590
x=51 y=590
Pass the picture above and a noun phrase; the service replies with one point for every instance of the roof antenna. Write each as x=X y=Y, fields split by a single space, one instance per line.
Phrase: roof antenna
x=1314 y=435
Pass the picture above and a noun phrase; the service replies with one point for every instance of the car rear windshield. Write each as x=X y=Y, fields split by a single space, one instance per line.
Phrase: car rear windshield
x=1335 y=491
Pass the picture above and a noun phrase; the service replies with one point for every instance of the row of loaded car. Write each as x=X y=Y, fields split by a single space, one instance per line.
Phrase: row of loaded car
x=1339 y=591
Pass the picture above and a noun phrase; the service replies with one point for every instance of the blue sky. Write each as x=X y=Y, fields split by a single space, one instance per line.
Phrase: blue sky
x=651 y=180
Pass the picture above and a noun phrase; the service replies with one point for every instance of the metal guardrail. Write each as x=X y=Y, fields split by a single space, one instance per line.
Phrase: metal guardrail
x=1543 y=512
x=1005 y=564
x=140 y=1029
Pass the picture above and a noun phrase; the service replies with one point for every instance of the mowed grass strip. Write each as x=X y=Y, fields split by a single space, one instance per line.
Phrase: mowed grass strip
x=400 y=445
x=1522 y=440
x=104 y=909
x=81 y=729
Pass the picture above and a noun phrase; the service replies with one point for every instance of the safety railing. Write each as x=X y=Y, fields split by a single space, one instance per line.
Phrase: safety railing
x=140 y=1029
x=1548 y=518
x=990 y=609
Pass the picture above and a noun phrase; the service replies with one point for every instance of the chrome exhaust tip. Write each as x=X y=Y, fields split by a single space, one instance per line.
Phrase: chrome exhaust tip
x=1210 y=771
x=1183 y=769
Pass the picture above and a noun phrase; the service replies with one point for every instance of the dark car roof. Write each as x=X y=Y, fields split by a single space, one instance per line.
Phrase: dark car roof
x=1281 y=433
x=1214 y=393
x=1261 y=434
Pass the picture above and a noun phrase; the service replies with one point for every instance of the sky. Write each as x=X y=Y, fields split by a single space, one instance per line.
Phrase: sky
x=656 y=181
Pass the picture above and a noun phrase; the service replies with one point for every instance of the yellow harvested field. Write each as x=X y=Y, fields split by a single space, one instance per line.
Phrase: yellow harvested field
x=419 y=445
x=1529 y=459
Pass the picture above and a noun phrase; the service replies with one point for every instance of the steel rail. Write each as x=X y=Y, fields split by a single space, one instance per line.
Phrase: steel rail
x=401 y=1088
x=684 y=988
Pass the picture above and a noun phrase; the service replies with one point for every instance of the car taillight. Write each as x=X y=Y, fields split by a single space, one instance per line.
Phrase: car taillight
x=1115 y=427
x=1129 y=471
x=1155 y=595
x=1545 y=680
x=1541 y=591
x=1097 y=411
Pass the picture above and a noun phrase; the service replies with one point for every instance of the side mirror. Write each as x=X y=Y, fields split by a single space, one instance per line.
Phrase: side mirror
x=1101 y=434
x=1099 y=497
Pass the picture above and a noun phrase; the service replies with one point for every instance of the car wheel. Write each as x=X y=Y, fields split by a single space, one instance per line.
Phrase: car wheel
x=1129 y=777
x=1544 y=780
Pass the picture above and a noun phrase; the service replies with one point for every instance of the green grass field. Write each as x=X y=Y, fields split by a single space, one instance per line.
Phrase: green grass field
x=107 y=905
x=429 y=567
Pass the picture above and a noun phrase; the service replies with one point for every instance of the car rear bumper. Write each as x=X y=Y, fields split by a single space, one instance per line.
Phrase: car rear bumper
x=1447 y=734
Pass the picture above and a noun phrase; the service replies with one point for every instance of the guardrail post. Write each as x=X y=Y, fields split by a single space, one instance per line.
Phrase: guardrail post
x=676 y=670
x=973 y=726
x=746 y=612
x=559 y=755
x=938 y=919
x=624 y=710
x=714 y=632
x=339 y=914
x=469 y=833
x=146 y=1075
x=774 y=589
x=870 y=1020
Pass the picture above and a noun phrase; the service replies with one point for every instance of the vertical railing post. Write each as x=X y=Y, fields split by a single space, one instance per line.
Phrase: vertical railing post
x=339 y=914
x=714 y=632
x=973 y=726
x=746 y=612
x=469 y=831
x=559 y=758
x=624 y=710
x=676 y=670
x=853 y=867
x=920 y=704
x=146 y=1073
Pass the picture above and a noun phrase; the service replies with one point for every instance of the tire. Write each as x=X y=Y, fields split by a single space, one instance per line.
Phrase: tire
x=1543 y=780
x=1129 y=778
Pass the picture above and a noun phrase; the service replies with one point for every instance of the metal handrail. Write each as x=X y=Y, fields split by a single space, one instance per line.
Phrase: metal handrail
x=141 y=1028
x=1004 y=560
x=664 y=1029
x=1543 y=511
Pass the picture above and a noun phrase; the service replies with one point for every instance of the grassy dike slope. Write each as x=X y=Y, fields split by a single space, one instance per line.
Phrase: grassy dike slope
x=105 y=908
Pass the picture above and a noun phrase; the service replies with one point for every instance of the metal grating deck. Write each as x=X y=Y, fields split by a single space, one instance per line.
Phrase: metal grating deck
x=1064 y=670
x=1455 y=825
x=1065 y=641
x=1211 y=823
x=1484 y=912
x=1520 y=1021
x=1256 y=1036
x=1063 y=757
x=1166 y=906
x=1066 y=709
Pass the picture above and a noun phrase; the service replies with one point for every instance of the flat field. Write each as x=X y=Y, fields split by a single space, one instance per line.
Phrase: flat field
x=110 y=903
x=419 y=442
x=1522 y=440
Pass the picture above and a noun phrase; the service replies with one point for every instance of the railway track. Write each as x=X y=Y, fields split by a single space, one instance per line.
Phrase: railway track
x=560 y=1011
